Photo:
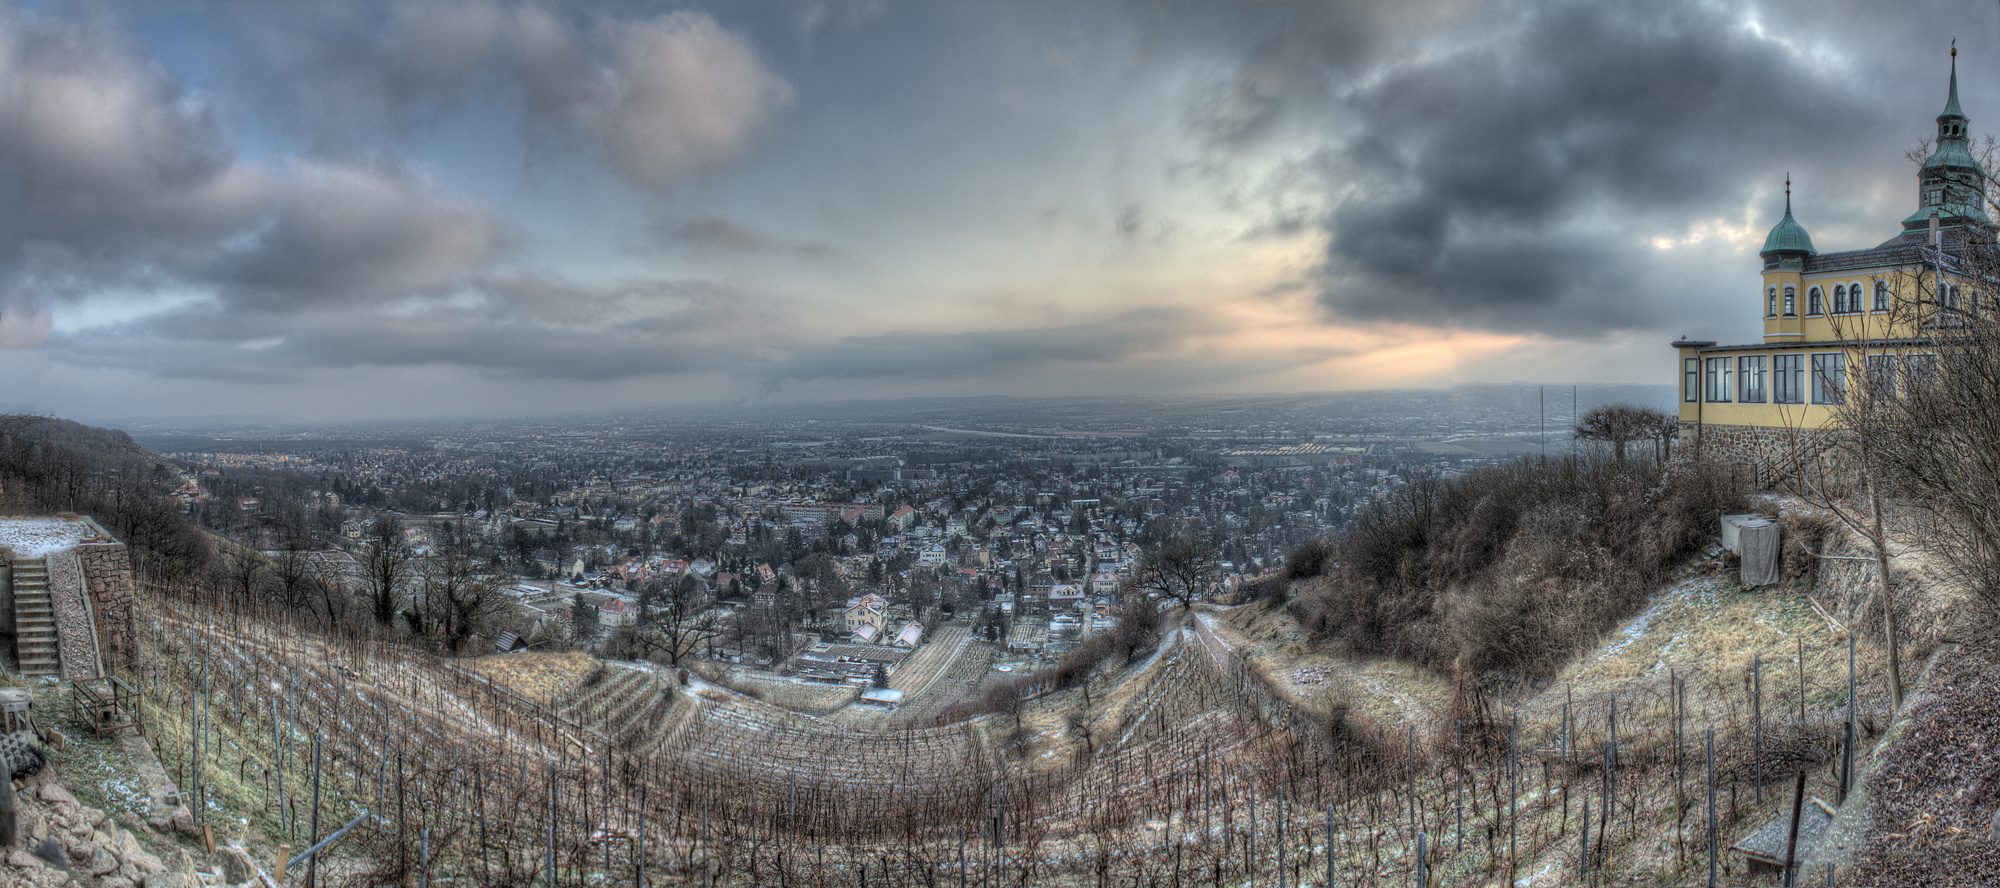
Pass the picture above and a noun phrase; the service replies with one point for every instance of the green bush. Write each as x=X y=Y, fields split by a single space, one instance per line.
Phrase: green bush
x=1513 y=568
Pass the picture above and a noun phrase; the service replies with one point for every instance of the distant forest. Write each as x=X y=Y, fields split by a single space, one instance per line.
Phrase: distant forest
x=50 y=466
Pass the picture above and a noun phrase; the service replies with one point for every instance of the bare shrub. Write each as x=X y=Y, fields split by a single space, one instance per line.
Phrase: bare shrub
x=1309 y=559
x=1514 y=567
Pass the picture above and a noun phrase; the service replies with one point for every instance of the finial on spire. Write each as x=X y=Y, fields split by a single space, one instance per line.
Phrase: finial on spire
x=1951 y=97
x=1788 y=194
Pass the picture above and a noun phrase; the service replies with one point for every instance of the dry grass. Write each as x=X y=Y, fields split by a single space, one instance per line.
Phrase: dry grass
x=812 y=698
x=541 y=677
x=1385 y=691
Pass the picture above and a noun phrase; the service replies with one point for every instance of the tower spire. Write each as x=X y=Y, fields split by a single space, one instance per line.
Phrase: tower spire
x=1951 y=108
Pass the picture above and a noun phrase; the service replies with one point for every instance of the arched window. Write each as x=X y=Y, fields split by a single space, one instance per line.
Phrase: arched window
x=1881 y=295
x=1791 y=300
x=1853 y=295
x=1813 y=303
x=1771 y=302
x=1839 y=298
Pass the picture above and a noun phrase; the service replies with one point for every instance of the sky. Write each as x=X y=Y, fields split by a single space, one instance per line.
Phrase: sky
x=452 y=208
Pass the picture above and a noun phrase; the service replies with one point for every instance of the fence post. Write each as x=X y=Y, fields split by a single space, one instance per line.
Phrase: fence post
x=1583 y=853
x=551 y=818
x=312 y=866
x=1757 y=721
x=1711 y=808
x=1329 y=846
x=1422 y=877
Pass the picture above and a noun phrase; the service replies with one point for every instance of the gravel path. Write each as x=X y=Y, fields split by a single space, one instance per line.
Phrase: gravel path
x=75 y=635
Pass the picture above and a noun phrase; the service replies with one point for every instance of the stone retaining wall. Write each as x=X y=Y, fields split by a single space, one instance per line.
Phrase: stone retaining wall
x=1767 y=455
x=107 y=573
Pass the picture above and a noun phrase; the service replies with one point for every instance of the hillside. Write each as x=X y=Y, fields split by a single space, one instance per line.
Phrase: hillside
x=1224 y=750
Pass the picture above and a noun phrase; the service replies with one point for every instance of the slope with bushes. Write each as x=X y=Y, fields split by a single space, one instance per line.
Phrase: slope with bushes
x=1514 y=568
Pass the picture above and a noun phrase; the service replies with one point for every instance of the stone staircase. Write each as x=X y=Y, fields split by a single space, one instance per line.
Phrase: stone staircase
x=35 y=619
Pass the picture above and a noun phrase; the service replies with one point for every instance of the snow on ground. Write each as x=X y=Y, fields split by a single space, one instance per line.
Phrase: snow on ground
x=37 y=537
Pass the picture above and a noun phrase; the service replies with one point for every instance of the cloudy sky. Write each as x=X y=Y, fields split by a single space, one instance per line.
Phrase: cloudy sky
x=476 y=207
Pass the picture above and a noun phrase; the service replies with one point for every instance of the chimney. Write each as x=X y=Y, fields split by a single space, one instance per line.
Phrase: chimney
x=1934 y=226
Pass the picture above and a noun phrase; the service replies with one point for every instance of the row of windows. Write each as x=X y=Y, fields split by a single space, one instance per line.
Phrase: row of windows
x=1846 y=299
x=1743 y=380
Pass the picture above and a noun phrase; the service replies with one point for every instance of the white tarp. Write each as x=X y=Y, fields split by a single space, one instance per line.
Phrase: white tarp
x=1759 y=542
x=1730 y=537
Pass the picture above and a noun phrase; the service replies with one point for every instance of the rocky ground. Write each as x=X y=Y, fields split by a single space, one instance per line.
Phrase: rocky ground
x=59 y=841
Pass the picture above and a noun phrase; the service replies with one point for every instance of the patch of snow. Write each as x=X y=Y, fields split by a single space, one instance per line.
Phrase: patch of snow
x=37 y=537
x=1637 y=628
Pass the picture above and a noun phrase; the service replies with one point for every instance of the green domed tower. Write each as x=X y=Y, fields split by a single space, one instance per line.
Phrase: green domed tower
x=1951 y=184
x=1788 y=241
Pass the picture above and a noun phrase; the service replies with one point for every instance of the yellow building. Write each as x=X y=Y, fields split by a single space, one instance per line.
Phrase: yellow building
x=1836 y=320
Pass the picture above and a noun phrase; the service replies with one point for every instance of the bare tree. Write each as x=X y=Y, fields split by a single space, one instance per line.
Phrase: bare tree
x=1621 y=424
x=1924 y=419
x=463 y=595
x=1179 y=570
x=244 y=573
x=291 y=568
x=386 y=564
x=683 y=620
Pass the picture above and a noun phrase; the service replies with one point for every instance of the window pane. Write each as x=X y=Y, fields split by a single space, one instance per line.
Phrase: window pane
x=1750 y=379
x=1788 y=379
x=1882 y=376
x=1919 y=372
x=1829 y=379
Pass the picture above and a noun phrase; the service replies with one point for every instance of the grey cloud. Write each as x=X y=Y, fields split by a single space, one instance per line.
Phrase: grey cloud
x=1509 y=185
x=660 y=99
x=100 y=154
x=679 y=95
x=117 y=178
x=24 y=323
x=348 y=234
x=521 y=327
x=711 y=233
x=978 y=353
x=719 y=235
x=1505 y=171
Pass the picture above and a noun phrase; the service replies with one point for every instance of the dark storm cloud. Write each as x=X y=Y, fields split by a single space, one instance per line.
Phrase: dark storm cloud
x=1508 y=175
x=972 y=354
